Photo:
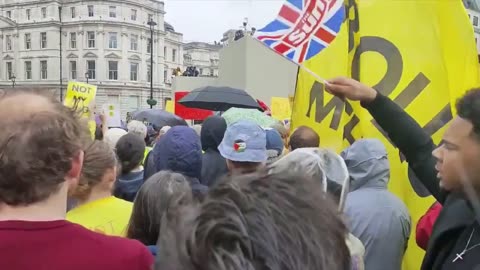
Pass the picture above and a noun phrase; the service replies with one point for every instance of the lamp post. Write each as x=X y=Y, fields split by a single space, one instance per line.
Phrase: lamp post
x=12 y=78
x=151 y=101
x=61 y=57
x=87 y=76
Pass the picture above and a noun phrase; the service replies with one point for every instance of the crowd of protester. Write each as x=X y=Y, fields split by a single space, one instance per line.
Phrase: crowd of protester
x=220 y=196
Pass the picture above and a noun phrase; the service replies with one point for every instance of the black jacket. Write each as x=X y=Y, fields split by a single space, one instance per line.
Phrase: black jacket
x=214 y=165
x=417 y=146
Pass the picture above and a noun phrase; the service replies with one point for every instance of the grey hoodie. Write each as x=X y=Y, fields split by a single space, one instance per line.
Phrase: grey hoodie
x=377 y=217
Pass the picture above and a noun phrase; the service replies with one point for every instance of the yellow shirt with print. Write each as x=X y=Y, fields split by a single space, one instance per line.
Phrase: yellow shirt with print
x=108 y=216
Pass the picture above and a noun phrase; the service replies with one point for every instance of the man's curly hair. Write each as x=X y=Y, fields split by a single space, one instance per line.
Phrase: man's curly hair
x=468 y=108
x=38 y=141
x=257 y=221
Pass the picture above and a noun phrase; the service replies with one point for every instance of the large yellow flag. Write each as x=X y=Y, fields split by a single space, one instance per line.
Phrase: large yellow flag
x=420 y=53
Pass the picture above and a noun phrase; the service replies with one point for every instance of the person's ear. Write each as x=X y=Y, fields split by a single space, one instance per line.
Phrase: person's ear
x=73 y=175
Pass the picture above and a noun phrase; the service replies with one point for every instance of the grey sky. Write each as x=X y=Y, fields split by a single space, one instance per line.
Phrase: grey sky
x=207 y=20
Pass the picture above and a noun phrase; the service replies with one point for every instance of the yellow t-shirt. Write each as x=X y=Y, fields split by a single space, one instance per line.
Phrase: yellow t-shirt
x=108 y=216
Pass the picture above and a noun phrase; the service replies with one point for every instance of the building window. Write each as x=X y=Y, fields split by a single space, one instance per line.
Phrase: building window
x=113 y=11
x=9 y=14
x=112 y=40
x=165 y=52
x=90 y=11
x=475 y=21
x=133 y=72
x=149 y=72
x=44 y=12
x=149 y=41
x=27 y=12
x=113 y=70
x=28 y=41
x=73 y=70
x=8 y=39
x=212 y=73
x=174 y=55
x=91 y=69
x=28 y=70
x=73 y=40
x=133 y=15
x=43 y=40
x=165 y=75
x=9 y=70
x=73 y=12
x=91 y=39
x=134 y=42
x=150 y=17
x=43 y=70
x=201 y=71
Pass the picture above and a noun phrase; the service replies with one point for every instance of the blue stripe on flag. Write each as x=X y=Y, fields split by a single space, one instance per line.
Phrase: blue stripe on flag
x=291 y=55
x=269 y=42
x=314 y=49
x=336 y=21
x=274 y=26
x=296 y=3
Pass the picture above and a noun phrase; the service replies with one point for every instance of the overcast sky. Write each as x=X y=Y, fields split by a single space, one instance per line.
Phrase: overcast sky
x=207 y=20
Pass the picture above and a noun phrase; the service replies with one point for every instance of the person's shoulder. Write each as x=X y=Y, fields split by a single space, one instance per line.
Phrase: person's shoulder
x=130 y=252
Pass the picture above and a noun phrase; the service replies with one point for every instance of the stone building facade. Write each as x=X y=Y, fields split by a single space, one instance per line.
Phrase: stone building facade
x=106 y=41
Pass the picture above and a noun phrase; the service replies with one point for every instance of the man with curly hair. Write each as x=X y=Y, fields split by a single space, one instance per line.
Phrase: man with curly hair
x=41 y=159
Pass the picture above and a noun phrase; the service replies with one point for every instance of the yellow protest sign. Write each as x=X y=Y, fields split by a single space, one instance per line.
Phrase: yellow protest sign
x=81 y=97
x=170 y=106
x=280 y=108
x=422 y=71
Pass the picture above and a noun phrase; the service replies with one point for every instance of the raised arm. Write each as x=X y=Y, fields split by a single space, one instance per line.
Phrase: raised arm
x=402 y=129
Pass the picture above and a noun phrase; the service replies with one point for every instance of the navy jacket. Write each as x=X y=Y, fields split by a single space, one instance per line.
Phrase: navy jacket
x=179 y=150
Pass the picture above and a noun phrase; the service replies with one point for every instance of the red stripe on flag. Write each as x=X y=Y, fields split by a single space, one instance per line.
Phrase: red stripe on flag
x=281 y=48
x=325 y=35
x=289 y=14
x=303 y=52
x=261 y=38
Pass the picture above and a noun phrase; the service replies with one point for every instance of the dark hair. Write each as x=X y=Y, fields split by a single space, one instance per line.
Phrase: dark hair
x=130 y=151
x=151 y=203
x=99 y=157
x=258 y=221
x=468 y=108
x=98 y=133
x=245 y=167
x=39 y=139
x=304 y=137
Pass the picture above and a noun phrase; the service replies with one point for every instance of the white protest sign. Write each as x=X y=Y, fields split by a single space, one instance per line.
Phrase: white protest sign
x=112 y=114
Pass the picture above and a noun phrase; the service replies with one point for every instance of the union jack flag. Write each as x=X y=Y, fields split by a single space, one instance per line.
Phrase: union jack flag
x=303 y=28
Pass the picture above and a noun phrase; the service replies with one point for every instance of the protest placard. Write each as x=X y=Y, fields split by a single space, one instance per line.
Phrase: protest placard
x=81 y=97
x=280 y=108
x=112 y=114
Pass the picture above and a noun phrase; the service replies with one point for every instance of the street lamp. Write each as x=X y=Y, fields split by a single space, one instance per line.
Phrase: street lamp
x=151 y=101
x=87 y=76
x=12 y=78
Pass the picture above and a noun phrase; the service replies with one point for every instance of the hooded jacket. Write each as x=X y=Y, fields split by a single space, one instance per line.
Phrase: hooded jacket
x=127 y=185
x=214 y=165
x=179 y=151
x=375 y=216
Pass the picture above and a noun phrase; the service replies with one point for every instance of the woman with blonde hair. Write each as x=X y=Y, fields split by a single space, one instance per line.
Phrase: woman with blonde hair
x=97 y=209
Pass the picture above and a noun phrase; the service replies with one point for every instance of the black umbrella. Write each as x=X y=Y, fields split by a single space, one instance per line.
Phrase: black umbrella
x=159 y=118
x=218 y=99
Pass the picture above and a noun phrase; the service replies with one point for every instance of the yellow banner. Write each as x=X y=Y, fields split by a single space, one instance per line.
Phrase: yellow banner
x=170 y=106
x=419 y=53
x=280 y=108
x=81 y=97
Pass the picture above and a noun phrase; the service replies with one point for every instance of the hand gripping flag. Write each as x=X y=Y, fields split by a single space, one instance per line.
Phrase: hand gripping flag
x=303 y=28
